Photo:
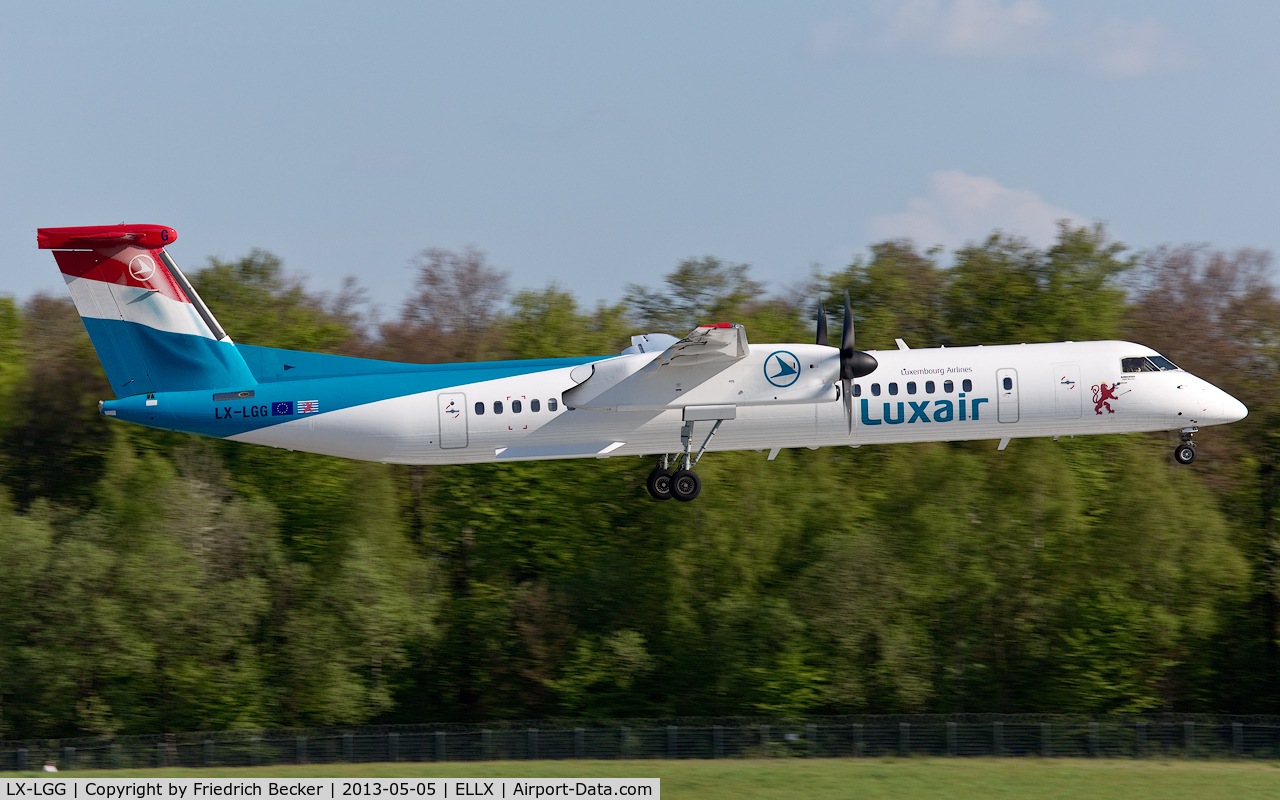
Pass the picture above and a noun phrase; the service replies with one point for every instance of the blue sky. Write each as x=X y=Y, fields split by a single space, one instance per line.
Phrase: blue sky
x=596 y=144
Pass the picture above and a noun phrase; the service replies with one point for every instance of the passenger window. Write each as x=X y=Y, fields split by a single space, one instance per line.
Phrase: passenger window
x=929 y=387
x=497 y=406
x=479 y=409
x=948 y=387
x=967 y=385
x=515 y=406
x=857 y=390
x=875 y=389
x=911 y=387
x=534 y=406
x=551 y=404
x=893 y=388
x=1008 y=384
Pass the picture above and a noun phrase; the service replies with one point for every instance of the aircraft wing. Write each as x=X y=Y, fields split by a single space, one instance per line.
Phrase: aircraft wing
x=706 y=345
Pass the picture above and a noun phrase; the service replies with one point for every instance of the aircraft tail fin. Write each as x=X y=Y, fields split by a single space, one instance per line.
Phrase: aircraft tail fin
x=152 y=331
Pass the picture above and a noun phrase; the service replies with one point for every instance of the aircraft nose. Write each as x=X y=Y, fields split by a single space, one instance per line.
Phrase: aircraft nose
x=1232 y=409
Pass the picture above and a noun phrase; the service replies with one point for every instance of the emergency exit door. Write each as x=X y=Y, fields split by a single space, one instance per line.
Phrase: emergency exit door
x=453 y=420
x=1007 y=395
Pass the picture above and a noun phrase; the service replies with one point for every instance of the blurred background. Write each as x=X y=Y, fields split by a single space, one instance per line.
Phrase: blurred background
x=447 y=184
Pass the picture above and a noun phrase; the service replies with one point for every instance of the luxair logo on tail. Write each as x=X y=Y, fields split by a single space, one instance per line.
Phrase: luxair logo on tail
x=150 y=328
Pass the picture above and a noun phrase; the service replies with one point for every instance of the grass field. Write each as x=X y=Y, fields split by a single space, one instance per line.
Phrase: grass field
x=953 y=779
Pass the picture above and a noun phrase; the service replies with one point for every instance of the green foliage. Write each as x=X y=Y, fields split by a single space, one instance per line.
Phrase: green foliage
x=253 y=297
x=154 y=581
x=700 y=291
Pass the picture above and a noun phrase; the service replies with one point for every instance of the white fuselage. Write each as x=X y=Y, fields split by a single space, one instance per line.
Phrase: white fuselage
x=626 y=405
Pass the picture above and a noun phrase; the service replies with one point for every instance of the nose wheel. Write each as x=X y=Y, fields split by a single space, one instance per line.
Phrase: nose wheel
x=1185 y=453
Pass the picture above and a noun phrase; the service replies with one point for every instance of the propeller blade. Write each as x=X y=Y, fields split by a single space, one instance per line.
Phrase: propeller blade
x=846 y=391
x=846 y=337
x=822 y=323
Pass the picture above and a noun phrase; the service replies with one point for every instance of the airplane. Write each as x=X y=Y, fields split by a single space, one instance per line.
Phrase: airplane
x=172 y=366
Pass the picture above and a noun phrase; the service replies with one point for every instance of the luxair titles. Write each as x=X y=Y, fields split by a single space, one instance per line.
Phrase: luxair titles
x=962 y=409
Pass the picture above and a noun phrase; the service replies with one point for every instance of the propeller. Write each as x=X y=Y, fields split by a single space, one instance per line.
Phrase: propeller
x=822 y=323
x=854 y=363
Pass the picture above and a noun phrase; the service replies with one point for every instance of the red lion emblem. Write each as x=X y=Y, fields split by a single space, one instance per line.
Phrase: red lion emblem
x=1101 y=395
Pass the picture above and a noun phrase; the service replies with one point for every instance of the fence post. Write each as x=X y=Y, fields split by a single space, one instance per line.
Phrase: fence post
x=393 y=746
x=997 y=736
x=626 y=742
x=904 y=739
x=1189 y=736
x=857 y=739
x=672 y=751
x=579 y=743
x=1046 y=747
x=348 y=748
x=717 y=741
x=1237 y=738
x=442 y=744
x=764 y=739
x=811 y=733
x=253 y=750
x=208 y=752
x=951 y=739
x=1141 y=739
x=162 y=755
x=533 y=743
x=300 y=749
x=115 y=756
x=1093 y=740
x=22 y=759
x=69 y=758
x=486 y=744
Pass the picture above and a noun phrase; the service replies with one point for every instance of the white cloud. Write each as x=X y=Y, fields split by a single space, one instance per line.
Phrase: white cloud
x=1006 y=29
x=961 y=208
x=1133 y=49
x=968 y=27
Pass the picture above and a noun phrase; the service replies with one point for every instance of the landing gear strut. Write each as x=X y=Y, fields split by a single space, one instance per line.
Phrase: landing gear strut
x=1185 y=453
x=683 y=484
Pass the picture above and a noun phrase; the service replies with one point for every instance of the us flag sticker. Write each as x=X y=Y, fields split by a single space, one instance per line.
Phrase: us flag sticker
x=308 y=406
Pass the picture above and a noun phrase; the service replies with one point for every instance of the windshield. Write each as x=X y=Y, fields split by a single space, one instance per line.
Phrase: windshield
x=1146 y=364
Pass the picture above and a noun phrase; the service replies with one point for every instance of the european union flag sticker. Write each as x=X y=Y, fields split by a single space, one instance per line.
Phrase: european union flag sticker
x=282 y=409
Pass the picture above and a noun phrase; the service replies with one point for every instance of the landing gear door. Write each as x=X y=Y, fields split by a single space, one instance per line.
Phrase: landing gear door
x=1007 y=394
x=453 y=420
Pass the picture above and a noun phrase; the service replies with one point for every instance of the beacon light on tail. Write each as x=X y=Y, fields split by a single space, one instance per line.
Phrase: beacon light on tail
x=172 y=366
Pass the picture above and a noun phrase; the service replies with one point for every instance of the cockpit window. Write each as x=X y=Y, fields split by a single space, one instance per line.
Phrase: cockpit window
x=1146 y=364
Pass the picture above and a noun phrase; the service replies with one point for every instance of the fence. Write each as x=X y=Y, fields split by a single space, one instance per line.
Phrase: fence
x=958 y=735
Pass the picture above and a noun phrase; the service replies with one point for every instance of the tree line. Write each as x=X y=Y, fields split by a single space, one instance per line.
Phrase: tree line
x=153 y=581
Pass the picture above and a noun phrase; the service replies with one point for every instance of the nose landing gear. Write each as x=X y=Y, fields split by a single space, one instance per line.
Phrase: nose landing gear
x=1185 y=453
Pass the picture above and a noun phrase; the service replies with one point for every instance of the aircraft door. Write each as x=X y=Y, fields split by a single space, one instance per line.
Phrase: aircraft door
x=453 y=420
x=1066 y=391
x=1007 y=394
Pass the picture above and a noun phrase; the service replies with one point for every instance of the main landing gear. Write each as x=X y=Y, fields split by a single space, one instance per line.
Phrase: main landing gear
x=683 y=484
x=1185 y=453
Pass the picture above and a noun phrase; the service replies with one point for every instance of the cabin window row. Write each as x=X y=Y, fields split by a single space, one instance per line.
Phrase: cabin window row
x=913 y=388
x=517 y=406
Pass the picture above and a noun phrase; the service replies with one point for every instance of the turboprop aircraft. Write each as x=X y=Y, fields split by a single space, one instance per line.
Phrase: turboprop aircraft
x=172 y=366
